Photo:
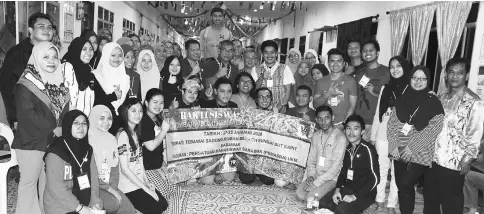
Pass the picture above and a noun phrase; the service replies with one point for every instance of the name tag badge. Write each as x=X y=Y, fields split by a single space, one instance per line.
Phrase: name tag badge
x=333 y=101
x=270 y=83
x=83 y=182
x=321 y=161
x=104 y=166
x=406 y=129
x=349 y=176
x=364 y=80
x=67 y=172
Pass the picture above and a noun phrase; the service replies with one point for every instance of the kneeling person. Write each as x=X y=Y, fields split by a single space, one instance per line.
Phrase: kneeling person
x=325 y=157
x=356 y=186
x=223 y=92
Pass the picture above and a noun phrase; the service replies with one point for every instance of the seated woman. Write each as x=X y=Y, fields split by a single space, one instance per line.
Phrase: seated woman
x=105 y=150
x=72 y=182
x=153 y=132
x=133 y=180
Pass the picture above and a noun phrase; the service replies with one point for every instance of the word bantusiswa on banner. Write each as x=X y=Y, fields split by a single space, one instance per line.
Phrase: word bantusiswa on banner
x=204 y=142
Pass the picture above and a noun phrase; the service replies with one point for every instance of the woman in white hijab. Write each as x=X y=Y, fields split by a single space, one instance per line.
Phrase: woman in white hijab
x=294 y=57
x=312 y=56
x=148 y=72
x=112 y=83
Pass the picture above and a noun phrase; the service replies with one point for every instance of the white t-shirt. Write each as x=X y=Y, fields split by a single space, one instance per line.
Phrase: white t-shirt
x=288 y=77
x=135 y=162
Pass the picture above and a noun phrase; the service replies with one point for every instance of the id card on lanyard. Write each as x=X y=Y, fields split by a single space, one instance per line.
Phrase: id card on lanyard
x=350 y=173
x=407 y=127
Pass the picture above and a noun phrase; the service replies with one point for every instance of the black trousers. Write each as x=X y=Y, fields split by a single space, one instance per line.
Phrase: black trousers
x=355 y=207
x=443 y=187
x=146 y=204
x=249 y=178
x=406 y=177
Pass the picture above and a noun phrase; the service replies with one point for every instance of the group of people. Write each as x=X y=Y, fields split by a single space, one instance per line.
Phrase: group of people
x=90 y=135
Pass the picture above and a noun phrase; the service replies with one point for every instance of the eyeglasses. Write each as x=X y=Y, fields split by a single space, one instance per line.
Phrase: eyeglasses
x=79 y=124
x=419 y=79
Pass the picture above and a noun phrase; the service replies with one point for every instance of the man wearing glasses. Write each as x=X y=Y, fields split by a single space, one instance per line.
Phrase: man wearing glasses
x=220 y=67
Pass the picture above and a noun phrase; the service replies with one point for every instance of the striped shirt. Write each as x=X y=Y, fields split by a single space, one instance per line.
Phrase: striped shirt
x=420 y=143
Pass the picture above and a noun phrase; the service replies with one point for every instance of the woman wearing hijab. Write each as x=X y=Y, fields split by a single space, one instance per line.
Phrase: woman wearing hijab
x=112 y=83
x=92 y=37
x=302 y=77
x=312 y=56
x=105 y=150
x=318 y=71
x=160 y=54
x=78 y=76
x=134 y=78
x=294 y=57
x=412 y=130
x=41 y=99
x=72 y=182
x=148 y=72
x=172 y=80
x=398 y=84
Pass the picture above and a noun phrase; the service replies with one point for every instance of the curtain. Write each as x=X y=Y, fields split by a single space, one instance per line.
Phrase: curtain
x=359 y=29
x=451 y=19
x=420 y=23
x=399 y=22
x=314 y=40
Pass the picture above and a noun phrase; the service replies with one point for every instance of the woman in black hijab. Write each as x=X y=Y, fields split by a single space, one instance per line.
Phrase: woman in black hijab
x=412 y=131
x=398 y=84
x=92 y=37
x=78 y=76
x=72 y=183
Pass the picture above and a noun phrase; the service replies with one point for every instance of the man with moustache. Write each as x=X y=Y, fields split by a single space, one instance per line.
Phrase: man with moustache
x=211 y=36
x=190 y=65
x=219 y=67
x=354 y=54
x=16 y=59
x=356 y=186
x=302 y=109
x=325 y=157
x=337 y=90
x=458 y=143
x=370 y=79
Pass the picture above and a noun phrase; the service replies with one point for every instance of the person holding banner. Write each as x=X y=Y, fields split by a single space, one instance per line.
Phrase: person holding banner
x=153 y=132
x=223 y=93
x=133 y=181
x=244 y=90
x=264 y=102
x=190 y=90
x=356 y=186
x=325 y=157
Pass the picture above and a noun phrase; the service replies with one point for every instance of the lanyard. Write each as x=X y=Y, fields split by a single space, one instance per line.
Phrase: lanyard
x=324 y=148
x=83 y=160
x=352 y=155
x=401 y=93
x=411 y=116
x=229 y=68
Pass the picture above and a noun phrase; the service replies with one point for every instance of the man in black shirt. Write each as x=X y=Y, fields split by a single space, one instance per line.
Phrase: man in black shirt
x=302 y=109
x=190 y=64
x=223 y=92
x=356 y=186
